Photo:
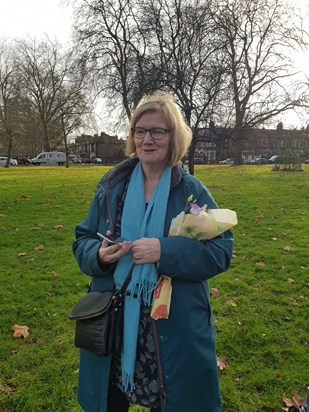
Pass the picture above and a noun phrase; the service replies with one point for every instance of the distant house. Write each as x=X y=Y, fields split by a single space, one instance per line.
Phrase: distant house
x=109 y=148
x=213 y=144
x=216 y=143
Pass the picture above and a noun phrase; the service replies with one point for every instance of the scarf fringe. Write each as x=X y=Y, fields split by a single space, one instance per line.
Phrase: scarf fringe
x=127 y=382
x=144 y=291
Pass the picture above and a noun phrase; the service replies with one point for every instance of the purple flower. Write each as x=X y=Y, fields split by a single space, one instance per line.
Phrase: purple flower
x=195 y=209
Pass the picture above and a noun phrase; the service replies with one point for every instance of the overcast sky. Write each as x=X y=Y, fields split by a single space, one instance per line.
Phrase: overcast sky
x=19 y=18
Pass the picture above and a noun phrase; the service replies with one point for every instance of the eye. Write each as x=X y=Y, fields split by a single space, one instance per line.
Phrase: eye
x=158 y=132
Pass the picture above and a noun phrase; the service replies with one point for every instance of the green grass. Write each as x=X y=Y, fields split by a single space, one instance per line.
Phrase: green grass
x=263 y=337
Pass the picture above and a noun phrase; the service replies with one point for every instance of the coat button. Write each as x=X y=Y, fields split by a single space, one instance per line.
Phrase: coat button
x=107 y=221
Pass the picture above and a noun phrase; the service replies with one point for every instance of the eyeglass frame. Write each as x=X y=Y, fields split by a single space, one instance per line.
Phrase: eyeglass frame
x=149 y=130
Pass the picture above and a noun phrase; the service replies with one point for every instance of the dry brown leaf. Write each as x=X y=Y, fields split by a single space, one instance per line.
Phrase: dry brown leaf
x=290 y=280
x=24 y=196
x=273 y=238
x=259 y=217
x=287 y=248
x=22 y=254
x=293 y=301
x=2 y=215
x=40 y=341
x=296 y=401
x=6 y=388
x=214 y=292
x=307 y=341
x=20 y=331
x=260 y=263
x=230 y=302
x=222 y=363
x=40 y=247
x=57 y=227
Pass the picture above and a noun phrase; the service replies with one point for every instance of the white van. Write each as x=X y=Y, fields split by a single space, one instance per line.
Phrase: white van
x=49 y=158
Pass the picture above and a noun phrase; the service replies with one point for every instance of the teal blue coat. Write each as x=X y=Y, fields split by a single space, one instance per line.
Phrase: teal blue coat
x=186 y=341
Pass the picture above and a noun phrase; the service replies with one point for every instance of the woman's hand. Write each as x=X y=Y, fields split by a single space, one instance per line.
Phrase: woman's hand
x=146 y=250
x=111 y=253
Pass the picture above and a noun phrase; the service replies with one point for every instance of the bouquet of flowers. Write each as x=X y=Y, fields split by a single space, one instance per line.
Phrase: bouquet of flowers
x=197 y=223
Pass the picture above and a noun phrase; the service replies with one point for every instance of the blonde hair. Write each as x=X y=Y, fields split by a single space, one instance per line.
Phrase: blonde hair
x=181 y=134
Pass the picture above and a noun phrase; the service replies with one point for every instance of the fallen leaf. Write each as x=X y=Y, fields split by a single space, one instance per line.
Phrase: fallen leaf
x=287 y=248
x=23 y=196
x=290 y=280
x=6 y=388
x=20 y=331
x=40 y=247
x=230 y=302
x=255 y=287
x=293 y=301
x=273 y=238
x=259 y=217
x=260 y=263
x=214 y=292
x=307 y=341
x=2 y=215
x=297 y=401
x=57 y=228
x=222 y=363
x=22 y=254
x=40 y=341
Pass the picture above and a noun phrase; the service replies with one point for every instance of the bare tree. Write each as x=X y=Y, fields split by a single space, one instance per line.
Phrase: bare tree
x=10 y=103
x=186 y=53
x=258 y=38
x=52 y=83
x=113 y=50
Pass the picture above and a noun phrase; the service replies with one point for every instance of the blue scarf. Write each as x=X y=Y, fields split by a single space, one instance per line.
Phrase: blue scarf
x=137 y=222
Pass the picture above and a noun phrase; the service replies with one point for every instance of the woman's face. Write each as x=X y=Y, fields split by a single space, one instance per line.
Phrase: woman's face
x=150 y=151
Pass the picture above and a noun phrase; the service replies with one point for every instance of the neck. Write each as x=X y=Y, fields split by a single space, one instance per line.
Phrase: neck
x=151 y=178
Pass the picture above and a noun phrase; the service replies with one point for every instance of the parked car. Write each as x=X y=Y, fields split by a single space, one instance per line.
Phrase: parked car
x=274 y=159
x=86 y=160
x=21 y=160
x=97 y=160
x=228 y=161
x=261 y=161
x=74 y=159
x=3 y=161
x=306 y=161
x=49 y=158
x=198 y=161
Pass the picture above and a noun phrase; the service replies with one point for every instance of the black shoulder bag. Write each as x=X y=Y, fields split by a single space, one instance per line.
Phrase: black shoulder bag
x=99 y=320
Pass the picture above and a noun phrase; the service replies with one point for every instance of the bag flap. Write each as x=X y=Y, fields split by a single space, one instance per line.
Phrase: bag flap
x=91 y=305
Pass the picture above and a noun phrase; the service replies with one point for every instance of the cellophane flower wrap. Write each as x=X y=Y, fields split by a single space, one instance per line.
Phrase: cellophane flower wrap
x=200 y=224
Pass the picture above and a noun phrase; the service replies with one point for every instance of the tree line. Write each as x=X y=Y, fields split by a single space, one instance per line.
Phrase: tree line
x=227 y=62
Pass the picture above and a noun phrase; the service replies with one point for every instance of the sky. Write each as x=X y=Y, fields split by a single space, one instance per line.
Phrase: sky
x=35 y=18
x=20 y=18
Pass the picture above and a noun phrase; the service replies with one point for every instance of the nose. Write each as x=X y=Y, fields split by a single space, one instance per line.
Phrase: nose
x=148 y=138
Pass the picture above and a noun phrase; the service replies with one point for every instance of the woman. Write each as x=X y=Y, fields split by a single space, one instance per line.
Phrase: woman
x=168 y=365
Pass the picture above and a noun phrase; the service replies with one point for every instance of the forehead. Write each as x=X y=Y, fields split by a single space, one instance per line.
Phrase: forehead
x=151 y=119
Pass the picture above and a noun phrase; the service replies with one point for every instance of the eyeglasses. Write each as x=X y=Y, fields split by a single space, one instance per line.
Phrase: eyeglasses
x=157 y=133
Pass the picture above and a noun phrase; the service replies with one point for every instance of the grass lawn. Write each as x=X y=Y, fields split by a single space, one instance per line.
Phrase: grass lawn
x=261 y=311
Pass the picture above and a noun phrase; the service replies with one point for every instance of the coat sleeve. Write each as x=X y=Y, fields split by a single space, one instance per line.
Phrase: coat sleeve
x=191 y=259
x=87 y=244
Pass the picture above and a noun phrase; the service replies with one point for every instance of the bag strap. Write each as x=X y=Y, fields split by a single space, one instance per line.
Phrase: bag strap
x=127 y=280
